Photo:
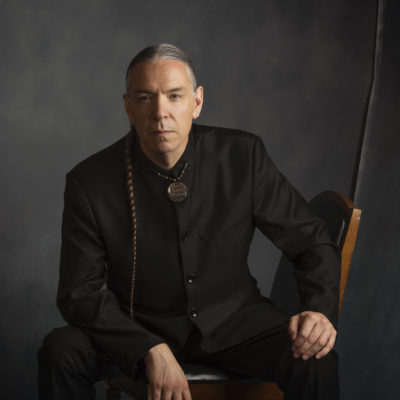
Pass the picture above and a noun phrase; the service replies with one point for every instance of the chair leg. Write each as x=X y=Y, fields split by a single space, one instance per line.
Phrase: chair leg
x=113 y=393
x=230 y=391
x=236 y=391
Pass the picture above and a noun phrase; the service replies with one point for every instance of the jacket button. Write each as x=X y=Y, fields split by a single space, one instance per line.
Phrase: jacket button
x=190 y=278
x=193 y=312
x=184 y=236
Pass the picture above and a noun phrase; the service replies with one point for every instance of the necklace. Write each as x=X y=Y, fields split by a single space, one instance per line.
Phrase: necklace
x=177 y=190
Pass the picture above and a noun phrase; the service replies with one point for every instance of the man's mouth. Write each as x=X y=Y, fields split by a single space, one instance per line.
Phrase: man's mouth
x=161 y=132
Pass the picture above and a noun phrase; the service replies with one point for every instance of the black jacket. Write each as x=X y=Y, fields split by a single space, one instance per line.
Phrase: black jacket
x=233 y=188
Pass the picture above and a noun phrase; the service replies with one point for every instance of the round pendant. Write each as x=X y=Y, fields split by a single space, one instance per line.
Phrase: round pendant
x=177 y=191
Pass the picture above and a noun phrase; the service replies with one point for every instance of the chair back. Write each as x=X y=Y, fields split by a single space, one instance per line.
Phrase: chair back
x=341 y=220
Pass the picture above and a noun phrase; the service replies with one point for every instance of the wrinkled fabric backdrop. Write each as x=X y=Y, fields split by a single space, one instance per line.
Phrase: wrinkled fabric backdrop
x=317 y=80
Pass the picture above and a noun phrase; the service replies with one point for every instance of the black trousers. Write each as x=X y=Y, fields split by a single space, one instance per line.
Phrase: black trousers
x=70 y=363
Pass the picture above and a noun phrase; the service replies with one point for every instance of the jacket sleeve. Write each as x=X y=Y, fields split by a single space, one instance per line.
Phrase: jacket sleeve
x=82 y=297
x=283 y=215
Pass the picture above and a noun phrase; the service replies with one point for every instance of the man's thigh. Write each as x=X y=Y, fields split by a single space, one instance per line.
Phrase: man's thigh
x=257 y=356
x=72 y=347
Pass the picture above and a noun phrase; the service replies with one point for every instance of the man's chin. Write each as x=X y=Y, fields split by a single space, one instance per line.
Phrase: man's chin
x=163 y=147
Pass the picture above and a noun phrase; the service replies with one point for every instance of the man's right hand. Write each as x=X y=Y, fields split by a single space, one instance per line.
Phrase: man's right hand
x=166 y=378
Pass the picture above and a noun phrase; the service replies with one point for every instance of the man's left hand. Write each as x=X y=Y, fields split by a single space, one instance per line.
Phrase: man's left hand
x=312 y=334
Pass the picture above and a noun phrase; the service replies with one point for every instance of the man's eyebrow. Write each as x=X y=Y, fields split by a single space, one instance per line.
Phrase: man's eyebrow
x=177 y=89
x=138 y=91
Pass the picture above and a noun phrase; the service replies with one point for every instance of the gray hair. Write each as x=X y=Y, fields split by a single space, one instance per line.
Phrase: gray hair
x=162 y=51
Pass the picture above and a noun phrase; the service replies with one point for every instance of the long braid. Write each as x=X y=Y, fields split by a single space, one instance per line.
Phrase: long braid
x=129 y=184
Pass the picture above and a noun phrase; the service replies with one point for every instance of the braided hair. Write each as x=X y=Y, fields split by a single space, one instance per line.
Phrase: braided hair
x=129 y=184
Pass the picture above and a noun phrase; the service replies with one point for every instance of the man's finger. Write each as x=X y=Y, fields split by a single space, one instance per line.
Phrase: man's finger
x=186 y=395
x=156 y=393
x=177 y=396
x=306 y=326
x=317 y=344
x=328 y=347
x=293 y=327
x=166 y=395
x=311 y=341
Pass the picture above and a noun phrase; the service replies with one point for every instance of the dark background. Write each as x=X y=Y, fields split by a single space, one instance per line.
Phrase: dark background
x=318 y=80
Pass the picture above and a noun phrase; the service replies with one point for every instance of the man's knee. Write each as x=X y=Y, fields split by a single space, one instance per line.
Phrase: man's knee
x=323 y=369
x=62 y=348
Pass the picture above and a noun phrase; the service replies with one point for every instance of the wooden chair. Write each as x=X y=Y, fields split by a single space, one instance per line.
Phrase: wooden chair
x=208 y=383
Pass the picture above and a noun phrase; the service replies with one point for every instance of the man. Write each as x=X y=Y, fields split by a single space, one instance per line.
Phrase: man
x=165 y=217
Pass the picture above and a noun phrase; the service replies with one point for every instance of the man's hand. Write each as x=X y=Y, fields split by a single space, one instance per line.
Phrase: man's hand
x=166 y=378
x=312 y=334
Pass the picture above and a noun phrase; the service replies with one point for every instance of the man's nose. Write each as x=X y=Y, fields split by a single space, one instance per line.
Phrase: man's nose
x=160 y=110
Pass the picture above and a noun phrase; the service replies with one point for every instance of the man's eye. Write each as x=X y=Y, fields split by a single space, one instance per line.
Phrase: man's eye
x=175 y=96
x=144 y=98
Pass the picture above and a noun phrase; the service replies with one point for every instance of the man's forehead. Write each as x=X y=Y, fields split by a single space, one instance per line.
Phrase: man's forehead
x=166 y=73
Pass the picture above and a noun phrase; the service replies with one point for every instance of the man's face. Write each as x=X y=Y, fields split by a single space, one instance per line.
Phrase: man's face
x=161 y=104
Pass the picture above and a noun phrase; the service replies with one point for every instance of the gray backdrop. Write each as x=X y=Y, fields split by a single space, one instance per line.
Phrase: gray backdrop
x=318 y=80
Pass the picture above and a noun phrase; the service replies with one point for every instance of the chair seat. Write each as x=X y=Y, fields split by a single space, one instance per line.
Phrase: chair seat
x=195 y=374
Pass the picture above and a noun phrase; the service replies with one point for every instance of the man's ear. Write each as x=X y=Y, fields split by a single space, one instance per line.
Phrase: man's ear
x=127 y=107
x=198 y=102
